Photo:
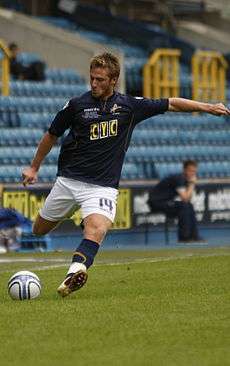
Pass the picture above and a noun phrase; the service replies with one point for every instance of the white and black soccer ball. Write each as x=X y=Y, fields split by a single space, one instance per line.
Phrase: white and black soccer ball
x=24 y=285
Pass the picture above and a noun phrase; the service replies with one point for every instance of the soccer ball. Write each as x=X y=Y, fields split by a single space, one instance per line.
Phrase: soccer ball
x=24 y=285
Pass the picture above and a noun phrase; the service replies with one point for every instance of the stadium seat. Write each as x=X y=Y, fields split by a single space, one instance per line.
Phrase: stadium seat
x=12 y=173
x=23 y=155
x=20 y=136
x=31 y=104
x=64 y=76
x=41 y=120
x=164 y=169
x=131 y=171
x=44 y=89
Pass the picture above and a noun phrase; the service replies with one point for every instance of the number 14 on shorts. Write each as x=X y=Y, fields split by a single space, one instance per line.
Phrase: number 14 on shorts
x=105 y=203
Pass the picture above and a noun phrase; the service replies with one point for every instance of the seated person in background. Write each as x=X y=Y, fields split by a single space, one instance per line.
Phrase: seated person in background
x=35 y=71
x=11 y=223
x=163 y=199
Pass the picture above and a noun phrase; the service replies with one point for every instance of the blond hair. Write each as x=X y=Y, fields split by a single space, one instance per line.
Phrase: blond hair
x=107 y=60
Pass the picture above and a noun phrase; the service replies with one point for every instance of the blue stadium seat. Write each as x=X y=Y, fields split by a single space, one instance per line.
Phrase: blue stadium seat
x=131 y=171
x=155 y=136
x=12 y=173
x=23 y=155
x=214 y=169
x=188 y=121
x=64 y=76
x=46 y=89
x=20 y=136
x=31 y=104
x=166 y=169
x=27 y=57
x=41 y=120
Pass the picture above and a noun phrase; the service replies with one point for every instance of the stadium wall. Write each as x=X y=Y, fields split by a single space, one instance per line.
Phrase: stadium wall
x=134 y=224
x=58 y=48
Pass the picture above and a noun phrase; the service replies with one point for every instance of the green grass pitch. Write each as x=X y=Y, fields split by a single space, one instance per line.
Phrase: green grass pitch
x=156 y=307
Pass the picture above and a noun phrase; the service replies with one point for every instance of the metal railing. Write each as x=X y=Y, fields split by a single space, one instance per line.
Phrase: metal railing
x=4 y=66
x=209 y=76
x=161 y=74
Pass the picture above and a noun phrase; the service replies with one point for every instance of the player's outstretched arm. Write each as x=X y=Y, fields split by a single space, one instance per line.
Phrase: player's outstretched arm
x=29 y=174
x=187 y=105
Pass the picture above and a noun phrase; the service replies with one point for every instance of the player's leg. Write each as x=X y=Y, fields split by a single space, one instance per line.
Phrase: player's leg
x=98 y=214
x=95 y=229
x=42 y=226
x=178 y=209
x=195 y=237
x=186 y=221
x=57 y=205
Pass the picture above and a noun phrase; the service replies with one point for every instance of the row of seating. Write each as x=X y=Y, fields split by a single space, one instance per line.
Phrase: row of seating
x=29 y=120
x=186 y=121
x=47 y=173
x=151 y=142
x=23 y=155
x=179 y=136
x=31 y=104
x=46 y=89
x=19 y=148
x=20 y=136
x=167 y=153
x=206 y=170
x=9 y=116
x=64 y=76
x=13 y=173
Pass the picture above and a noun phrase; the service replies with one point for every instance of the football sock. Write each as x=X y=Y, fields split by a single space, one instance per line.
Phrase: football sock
x=84 y=254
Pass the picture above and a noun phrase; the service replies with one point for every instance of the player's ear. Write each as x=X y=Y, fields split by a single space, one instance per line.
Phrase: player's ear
x=114 y=81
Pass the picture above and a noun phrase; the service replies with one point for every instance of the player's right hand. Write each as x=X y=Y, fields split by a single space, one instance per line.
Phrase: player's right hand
x=219 y=109
x=29 y=176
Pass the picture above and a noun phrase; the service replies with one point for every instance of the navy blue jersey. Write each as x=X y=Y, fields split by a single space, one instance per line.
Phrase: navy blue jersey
x=167 y=188
x=99 y=136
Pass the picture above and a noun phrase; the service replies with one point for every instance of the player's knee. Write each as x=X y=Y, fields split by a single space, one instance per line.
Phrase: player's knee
x=95 y=231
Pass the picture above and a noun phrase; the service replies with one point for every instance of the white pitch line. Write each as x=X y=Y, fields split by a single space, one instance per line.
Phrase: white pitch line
x=134 y=261
x=42 y=260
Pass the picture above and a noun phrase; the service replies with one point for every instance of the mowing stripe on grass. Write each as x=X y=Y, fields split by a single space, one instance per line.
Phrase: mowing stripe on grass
x=63 y=263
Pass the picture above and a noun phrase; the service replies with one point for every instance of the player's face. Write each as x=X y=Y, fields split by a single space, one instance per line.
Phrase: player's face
x=190 y=172
x=102 y=85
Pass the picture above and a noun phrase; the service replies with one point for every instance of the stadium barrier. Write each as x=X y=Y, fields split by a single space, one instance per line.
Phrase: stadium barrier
x=209 y=76
x=161 y=74
x=211 y=202
x=4 y=66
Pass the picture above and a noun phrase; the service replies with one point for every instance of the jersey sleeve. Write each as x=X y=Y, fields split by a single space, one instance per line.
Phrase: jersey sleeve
x=62 y=121
x=144 y=108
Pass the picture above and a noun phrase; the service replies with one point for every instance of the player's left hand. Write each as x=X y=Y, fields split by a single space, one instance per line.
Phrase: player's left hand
x=220 y=109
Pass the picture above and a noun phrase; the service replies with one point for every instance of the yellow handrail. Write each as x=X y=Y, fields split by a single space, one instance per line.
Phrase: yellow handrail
x=5 y=69
x=161 y=74
x=209 y=76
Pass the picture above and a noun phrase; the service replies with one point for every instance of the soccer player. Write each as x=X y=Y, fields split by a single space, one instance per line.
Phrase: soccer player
x=101 y=122
x=163 y=199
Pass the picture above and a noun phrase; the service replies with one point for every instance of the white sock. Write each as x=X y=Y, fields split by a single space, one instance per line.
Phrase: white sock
x=75 y=266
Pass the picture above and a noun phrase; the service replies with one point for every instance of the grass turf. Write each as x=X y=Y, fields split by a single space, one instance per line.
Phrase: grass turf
x=174 y=311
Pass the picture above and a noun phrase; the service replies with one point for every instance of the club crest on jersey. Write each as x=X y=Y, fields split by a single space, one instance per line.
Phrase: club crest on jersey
x=114 y=108
x=103 y=129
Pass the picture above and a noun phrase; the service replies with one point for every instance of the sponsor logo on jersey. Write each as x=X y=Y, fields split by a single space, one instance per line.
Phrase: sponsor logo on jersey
x=101 y=130
x=91 y=113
